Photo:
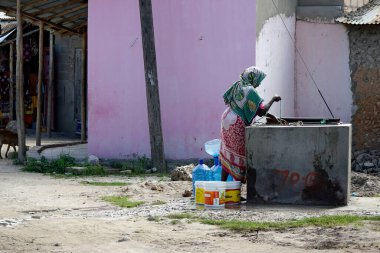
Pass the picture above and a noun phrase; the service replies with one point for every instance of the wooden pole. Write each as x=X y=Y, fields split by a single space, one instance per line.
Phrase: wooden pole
x=151 y=83
x=84 y=89
x=39 y=85
x=11 y=81
x=50 y=86
x=20 y=87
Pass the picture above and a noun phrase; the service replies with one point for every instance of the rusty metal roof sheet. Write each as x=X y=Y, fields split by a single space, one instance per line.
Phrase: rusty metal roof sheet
x=5 y=17
x=62 y=16
x=369 y=14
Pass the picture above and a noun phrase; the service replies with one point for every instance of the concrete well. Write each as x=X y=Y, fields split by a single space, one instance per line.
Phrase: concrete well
x=299 y=164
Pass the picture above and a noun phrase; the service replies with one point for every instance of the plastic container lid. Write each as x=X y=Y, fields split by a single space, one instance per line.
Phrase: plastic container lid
x=214 y=185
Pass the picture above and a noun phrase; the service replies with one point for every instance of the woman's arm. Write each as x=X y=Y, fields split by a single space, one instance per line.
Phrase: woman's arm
x=262 y=111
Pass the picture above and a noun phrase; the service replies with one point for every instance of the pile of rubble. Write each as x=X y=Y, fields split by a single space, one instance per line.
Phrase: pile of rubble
x=182 y=173
x=364 y=185
x=366 y=161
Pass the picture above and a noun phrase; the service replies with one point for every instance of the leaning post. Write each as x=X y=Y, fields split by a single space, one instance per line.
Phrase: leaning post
x=151 y=84
x=20 y=87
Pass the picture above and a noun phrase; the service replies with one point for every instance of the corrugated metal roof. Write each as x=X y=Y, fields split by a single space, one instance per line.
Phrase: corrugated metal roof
x=63 y=16
x=369 y=14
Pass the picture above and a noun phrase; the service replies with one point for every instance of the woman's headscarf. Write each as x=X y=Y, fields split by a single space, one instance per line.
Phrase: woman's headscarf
x=242 y=96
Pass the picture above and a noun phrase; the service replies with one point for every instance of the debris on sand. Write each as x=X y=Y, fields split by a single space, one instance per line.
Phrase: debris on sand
x=182 y=173
x=365 y=185
x=186 y=193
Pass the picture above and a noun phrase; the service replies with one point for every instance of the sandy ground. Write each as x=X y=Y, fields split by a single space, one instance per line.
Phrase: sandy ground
x=40 y=213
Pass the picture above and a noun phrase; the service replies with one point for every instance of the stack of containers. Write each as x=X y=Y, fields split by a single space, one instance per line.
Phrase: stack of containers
x=208 y=188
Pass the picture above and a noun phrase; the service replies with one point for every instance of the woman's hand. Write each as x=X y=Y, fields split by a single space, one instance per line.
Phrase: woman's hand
x=276 y=98
x=262 y=111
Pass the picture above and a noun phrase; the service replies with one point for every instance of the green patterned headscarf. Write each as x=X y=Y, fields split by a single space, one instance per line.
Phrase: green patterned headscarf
x=242 y=96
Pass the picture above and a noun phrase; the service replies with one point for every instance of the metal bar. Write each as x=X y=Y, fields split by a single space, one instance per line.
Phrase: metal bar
x=46 y=22
x=24 y=35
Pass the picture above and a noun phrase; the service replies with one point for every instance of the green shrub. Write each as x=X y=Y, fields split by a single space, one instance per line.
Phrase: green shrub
x=59 y=166
x=34 y=165
x=137 y=166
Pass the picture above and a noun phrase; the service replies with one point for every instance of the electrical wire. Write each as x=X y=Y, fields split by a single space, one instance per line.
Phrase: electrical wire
x=302 y=59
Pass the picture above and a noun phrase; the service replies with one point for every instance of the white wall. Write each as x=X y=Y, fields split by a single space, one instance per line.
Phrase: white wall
x=275 y=55
x=325 y=49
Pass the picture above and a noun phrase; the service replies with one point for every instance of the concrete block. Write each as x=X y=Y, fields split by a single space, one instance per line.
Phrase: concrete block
x=299 y=164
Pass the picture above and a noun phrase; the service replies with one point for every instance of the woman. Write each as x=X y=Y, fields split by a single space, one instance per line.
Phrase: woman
x=244 y=103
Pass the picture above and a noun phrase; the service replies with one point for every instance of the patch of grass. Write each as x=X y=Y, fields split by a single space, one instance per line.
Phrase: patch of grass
x=154 y=218
x=175 y=222
x=105 y=183
x=58 y=166
x=93 y=170
x=181 y=216
x=323 y=221
x=239 y=225
x=122 y=201
x=376 y=195
x=158 y=202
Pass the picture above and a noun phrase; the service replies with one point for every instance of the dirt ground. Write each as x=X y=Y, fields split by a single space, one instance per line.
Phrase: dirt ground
x=40 y=213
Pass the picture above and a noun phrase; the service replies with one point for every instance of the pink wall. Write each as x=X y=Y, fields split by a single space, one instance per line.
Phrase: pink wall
x=117 y=110
x=202 y=47
x=325 y=49
x=276 y=56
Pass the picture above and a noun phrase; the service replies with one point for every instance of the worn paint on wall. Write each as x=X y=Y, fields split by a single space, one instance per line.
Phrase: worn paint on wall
x=365 y=73
x=325 y=49
x=267 y=9
x=201 y=49
x=275 y=56
x=117 y=110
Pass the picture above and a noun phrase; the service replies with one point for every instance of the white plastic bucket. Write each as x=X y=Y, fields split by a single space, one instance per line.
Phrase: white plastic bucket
x=233 y=190
x=200 y=192
x=214 y=194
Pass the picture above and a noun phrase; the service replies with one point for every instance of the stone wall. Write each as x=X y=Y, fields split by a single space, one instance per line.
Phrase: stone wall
x=365 y=75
